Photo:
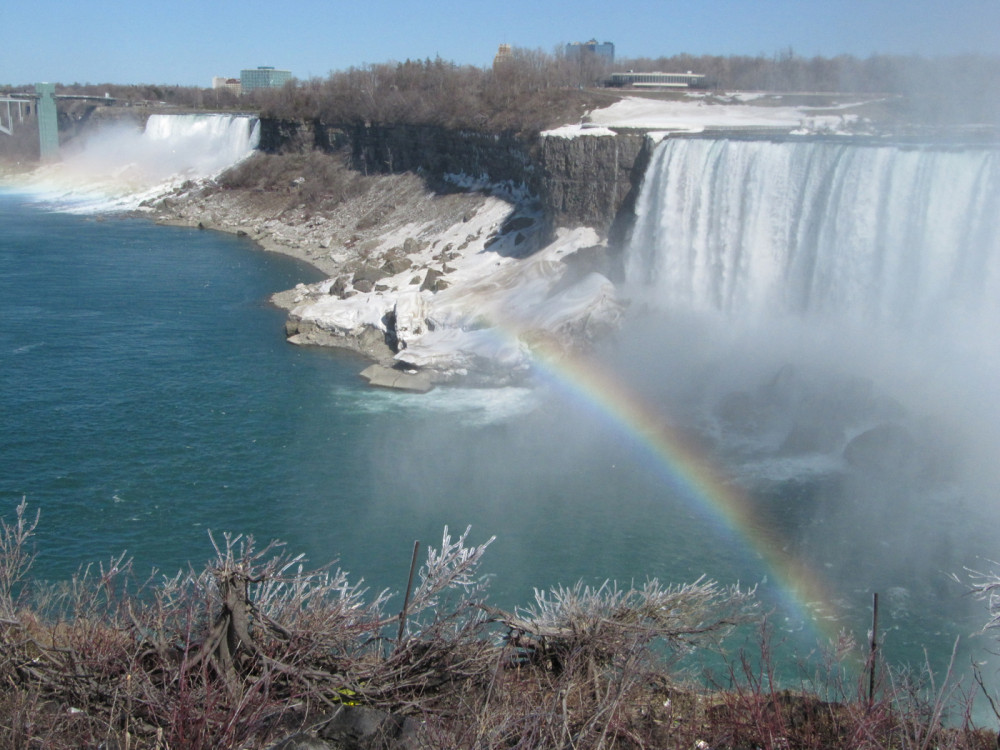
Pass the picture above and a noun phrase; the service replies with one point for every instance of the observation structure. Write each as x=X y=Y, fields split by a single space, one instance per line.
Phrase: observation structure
x=263 y=77
x=687 y=80
x=44 y=103
x=503 y=56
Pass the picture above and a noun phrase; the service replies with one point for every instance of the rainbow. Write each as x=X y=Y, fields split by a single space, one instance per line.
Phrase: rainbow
x=686 y=468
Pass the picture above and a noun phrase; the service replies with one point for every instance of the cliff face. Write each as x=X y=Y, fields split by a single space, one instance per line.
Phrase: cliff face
x=585 y=181
x=592 y=180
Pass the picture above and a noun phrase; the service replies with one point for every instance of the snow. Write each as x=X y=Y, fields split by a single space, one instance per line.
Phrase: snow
x=501 y=293
x=574 y=131
x=703 y=113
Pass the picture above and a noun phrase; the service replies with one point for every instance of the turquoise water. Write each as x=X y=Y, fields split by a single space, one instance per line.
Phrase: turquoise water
x=148 y=396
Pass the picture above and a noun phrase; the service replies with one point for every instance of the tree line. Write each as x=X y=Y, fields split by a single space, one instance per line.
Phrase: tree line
x=530 y=90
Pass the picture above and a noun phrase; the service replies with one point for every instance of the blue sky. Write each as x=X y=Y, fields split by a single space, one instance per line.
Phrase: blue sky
x=187 y=42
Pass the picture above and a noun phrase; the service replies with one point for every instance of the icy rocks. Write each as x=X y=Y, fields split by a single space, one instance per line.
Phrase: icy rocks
x=381 y=376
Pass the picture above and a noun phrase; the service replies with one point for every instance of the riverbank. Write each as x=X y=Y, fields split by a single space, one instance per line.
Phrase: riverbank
x=415 y=274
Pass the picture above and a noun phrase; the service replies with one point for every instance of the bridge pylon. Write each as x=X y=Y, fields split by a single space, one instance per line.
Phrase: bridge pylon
x=48 y=121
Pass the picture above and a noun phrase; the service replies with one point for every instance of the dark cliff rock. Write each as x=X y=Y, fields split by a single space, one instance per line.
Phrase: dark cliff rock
x=287 y=136
x=584 y=181
x=436 y=151
x=592 y=180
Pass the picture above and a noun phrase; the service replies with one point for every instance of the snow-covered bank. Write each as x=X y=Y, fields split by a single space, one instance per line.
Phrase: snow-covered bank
x=454 y=285
x=459 y=285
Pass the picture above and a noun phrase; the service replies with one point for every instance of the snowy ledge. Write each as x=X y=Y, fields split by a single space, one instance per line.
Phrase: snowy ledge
x=702 y=113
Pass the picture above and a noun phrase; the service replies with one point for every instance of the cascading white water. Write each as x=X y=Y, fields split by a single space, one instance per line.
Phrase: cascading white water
x=882 y=234
x=119 y=165
x=205 y=143
x=824 y=315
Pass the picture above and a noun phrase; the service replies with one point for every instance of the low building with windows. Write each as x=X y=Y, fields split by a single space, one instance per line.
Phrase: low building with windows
x=687 y=80
x=263 y=77
x=229 y=84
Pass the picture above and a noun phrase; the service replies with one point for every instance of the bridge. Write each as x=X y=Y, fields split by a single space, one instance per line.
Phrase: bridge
x=43 y=100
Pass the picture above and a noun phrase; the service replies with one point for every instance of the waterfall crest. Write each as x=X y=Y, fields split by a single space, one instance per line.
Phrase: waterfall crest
x=880 y=233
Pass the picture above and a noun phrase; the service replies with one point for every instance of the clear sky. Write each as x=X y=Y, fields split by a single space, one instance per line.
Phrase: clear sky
x=188 y=41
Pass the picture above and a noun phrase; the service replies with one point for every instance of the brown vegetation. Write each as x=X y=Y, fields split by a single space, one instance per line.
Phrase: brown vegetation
x=256 y=647
x=318 y=181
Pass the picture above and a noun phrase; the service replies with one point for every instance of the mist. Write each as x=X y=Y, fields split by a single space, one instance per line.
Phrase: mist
x=821 y=314
x=121 y=164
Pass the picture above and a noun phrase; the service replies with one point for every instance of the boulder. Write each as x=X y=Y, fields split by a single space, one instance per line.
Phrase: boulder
x=364 y=728
x=433 y=281
x=381 y=376
x=357 y=728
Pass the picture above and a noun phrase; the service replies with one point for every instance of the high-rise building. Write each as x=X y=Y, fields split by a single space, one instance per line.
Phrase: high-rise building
x=503 y=55
x=263 y=77
x=605 y=50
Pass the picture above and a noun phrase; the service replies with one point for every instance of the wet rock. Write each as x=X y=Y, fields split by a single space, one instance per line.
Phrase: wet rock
x=517 y=223
x=886 y=449
x=339 y=287
x=812 y=438
x=433 y=281
x=381 y=376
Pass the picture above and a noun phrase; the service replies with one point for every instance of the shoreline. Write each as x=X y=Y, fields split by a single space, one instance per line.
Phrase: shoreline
x=385 y=250
x=263 y=243
x=413 y=279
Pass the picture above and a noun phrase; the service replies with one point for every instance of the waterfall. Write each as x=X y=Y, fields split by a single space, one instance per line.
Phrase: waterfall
x=793 y=295
x=118 y=165
x=885 y=234
x=206 y=143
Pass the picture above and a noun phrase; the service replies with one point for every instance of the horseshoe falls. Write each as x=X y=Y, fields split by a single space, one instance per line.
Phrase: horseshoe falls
x=887 y=235
x=822 y=315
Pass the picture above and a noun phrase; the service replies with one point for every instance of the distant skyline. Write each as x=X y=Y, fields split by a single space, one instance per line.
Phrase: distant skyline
x=187 y=43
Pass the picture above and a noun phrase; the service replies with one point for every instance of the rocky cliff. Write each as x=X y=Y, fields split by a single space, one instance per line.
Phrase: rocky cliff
x=583 y=181
x=591 y=180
